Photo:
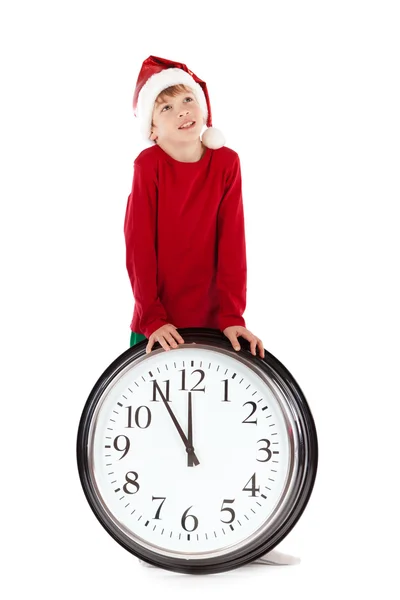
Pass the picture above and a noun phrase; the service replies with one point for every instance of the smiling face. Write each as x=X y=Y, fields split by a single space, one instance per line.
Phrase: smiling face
x=171 y=112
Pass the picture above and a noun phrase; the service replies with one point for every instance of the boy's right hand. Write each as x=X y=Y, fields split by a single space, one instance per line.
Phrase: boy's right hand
x=165 y=336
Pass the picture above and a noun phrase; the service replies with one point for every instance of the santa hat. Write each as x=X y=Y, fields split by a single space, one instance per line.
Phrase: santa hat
x=156 y=75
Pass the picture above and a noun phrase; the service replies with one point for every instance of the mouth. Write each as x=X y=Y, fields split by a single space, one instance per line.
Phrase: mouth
x=187 y=125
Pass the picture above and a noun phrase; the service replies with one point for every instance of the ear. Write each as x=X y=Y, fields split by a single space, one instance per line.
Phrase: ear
x=153 y=134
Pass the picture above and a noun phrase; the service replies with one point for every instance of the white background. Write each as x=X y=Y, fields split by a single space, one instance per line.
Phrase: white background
x=308 y=94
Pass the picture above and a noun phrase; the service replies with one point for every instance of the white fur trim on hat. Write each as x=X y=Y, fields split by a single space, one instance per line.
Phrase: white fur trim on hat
x=155 y=85
x=213 y=138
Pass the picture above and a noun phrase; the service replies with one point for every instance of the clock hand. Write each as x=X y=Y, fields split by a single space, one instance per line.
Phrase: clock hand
x=192 y=459
x=180 y=431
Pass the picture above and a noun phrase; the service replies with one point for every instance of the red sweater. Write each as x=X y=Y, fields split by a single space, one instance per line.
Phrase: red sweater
x=185 y=241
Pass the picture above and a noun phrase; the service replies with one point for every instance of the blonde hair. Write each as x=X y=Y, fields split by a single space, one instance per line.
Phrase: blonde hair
x=172 y=91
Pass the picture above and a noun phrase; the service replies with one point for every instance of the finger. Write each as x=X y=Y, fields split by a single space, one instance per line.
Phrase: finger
x=253 y=341
x=149 y=346
x=177 y=336
x=253 y=346
x=235 y=343
x=171 y=340
x=234 y=340
x=163 y=343
x=250 y=337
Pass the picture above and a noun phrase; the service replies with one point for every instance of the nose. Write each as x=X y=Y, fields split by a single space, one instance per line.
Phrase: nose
x=183 y=112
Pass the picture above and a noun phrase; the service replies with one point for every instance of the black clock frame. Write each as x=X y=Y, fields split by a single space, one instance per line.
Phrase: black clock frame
x=308 y=459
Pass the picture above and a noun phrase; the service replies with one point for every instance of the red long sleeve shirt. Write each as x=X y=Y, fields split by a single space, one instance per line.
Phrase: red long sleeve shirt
x=185 y=241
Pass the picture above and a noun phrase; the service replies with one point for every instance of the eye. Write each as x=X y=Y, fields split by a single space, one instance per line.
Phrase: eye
x=168 y=105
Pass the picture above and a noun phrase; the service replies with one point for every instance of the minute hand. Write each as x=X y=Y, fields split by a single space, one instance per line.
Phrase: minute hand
x=179 y=429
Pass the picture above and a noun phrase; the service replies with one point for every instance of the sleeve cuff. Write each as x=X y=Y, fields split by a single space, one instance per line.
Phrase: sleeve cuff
x=225 y=322
x=149 y=329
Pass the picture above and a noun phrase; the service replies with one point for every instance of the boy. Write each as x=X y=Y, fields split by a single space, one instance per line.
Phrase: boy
x=184 y=222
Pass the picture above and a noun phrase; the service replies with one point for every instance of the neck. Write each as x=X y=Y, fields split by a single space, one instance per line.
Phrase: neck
x=188 y=152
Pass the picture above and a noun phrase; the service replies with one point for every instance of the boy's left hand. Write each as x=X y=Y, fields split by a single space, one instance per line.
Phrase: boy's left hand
x=234 y=331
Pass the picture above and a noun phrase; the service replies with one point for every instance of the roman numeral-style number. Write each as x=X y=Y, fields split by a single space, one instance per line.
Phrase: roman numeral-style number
x=225 y=382
x=160 y=507
x=186 y=516
x=253 y=488
x=125 y=445
x=202 y=375
x=230 y=510
x=165 y=393
x=254 y=408
x=146 y=419
x=265 y=449
x=156 y=388
x=184 y=519
x=131 y=482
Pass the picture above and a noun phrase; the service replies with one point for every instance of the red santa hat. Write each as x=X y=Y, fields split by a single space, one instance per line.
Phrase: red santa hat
x=156 y=75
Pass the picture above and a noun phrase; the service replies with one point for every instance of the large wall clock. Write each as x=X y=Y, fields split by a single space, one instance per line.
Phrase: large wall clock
x=198 y=459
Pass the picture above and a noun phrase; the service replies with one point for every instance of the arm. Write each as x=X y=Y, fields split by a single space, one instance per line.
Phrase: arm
x=231 y=265
x=141 y=260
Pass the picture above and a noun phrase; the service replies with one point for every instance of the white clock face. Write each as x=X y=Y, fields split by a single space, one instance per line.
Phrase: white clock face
x=227 y=487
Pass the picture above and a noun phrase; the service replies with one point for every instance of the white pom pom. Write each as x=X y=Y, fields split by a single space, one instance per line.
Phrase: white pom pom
x=213 y=138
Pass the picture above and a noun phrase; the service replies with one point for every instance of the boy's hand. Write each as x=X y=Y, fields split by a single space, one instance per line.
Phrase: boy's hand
x=165 y=335
x=233 y=332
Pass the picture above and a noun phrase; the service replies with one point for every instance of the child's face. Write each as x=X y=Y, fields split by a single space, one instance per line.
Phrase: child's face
x=168 y=116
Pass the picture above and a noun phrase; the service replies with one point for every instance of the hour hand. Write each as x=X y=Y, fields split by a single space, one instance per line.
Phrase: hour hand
x=192 y=458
